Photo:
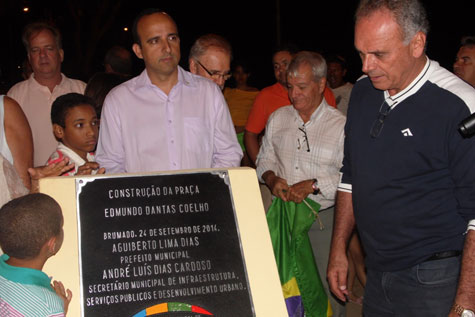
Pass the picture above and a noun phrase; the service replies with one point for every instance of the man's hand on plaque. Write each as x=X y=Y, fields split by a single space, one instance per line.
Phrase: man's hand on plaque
x=54 y=169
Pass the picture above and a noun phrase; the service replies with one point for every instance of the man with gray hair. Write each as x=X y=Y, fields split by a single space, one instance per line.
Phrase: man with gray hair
x=464 y=65
x=37 y=93
x=408 y=178
x=302 y=151
x=210 y=57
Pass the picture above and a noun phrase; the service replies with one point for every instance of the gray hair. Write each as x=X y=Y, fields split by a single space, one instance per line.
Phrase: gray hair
x=313 y=59
x=35 y=28
x=410 y=15
x=206 y=41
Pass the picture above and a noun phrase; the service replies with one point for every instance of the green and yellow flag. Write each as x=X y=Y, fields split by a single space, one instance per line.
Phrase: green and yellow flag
x=289 y=224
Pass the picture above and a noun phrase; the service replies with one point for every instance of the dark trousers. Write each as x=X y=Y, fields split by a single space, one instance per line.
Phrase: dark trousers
x=427 y=289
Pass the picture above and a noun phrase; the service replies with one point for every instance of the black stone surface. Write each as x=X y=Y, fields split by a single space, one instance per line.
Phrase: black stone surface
x=158 y=239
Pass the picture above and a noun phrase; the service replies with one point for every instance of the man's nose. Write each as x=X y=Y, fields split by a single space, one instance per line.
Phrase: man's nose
x=220 y=81
x=167 y=47
x=90 y=130
x=292 y=93
x=368 y=63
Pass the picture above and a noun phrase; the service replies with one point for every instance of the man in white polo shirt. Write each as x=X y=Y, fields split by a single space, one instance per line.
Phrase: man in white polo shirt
x=36 y=94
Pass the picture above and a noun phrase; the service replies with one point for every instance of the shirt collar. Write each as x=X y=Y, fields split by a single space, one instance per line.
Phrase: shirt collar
x=79 y=161
x=23 y=275
x=184 y=78
x=411 y=89
x=316 y=113
x=35 y=83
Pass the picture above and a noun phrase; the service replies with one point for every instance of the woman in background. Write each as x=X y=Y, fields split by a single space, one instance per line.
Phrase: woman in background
x=240 y=100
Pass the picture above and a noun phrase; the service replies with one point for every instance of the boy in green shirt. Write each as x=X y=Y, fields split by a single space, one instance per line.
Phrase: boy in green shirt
x=31 y=231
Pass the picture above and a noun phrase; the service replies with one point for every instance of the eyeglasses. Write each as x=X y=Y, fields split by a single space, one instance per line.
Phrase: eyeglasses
x=215 y=74
x=379 y=122
x=305 y=139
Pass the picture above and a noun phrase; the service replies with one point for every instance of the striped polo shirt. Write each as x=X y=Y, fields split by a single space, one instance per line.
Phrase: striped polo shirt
x=27 y=292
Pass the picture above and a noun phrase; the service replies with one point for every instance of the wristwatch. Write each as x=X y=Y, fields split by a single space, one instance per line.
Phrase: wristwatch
x=315 y=186
x=463 y=312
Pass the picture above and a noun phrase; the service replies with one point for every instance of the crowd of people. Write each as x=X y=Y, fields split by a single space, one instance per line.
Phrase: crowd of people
x=383 y=157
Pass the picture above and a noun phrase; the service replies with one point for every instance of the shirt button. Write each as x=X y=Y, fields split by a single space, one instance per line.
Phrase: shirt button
x=173 y=142
x=169 y=121
x=296 y=167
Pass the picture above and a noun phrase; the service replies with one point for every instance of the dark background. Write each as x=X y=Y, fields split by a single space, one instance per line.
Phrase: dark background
x=254 y=28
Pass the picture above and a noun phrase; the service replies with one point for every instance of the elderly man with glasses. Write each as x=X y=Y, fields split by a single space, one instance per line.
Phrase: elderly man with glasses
x=210 y=57
x=302 y=151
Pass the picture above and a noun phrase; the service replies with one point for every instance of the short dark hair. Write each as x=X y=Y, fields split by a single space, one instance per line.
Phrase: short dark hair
x=244 y=65
x=334 y=58
x=143 y=13
x=119 y=59
x=27 y=223
x=468 y=41
x=35 y=28
x=63 y=103
x=286 y=47
x=99 y=86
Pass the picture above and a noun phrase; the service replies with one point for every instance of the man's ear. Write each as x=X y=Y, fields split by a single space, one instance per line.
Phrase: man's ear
x=108 y=68
x=321 y=85
x=193 y=66
x=51 y=246
x=58 y=131
x=61 y=54
x=137 y=50
x=418 y=44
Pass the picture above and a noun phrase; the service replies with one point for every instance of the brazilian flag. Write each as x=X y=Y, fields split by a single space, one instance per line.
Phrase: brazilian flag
x=289 y=224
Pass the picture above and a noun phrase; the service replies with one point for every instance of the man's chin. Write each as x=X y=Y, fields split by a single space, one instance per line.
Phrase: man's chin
x=379 y=84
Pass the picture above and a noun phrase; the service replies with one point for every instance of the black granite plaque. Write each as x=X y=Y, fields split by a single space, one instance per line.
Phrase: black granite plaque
x=162 y=244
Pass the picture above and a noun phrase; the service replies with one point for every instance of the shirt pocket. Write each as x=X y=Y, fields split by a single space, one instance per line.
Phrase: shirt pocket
x=197 y=142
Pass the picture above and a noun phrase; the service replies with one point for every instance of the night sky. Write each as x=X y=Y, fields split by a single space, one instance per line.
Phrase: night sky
x=250 y=26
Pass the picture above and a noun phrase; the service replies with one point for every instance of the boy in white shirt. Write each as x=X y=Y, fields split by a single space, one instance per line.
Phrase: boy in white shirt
x=76 y=127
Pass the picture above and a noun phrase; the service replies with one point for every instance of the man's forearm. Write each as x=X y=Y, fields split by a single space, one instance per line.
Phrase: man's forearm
x=466 y=288
x=338 y=262
x=344 y=220
x=251 y=142
x=268 y=178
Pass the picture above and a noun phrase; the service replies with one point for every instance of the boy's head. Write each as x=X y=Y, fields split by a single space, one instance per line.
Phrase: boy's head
x=75 y=122
x=28 y=223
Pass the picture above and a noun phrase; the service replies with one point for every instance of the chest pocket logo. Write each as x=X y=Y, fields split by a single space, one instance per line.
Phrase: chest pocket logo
x=406 y=132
